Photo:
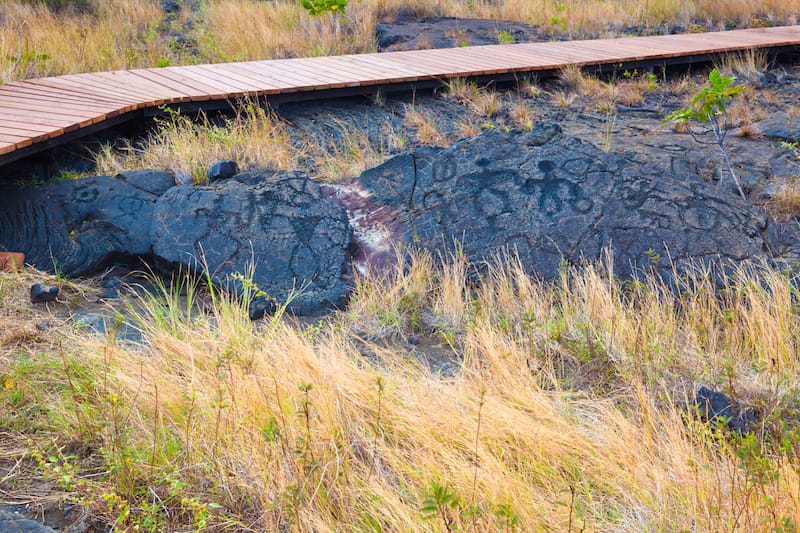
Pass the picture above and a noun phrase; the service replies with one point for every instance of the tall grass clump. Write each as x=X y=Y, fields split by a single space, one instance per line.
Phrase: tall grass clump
x=238 y=30
x=344 y=149
x=253 y=136
x=568 y=407
x=37 y=41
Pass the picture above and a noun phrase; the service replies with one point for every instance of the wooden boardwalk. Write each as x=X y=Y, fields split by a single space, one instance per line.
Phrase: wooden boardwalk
x=39 y=113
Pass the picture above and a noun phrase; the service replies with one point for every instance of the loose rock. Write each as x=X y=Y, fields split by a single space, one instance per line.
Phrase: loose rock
x=714 y=405
x=14 y=522
x=222 y=170
x=43 y=293
x=103 y=323
x=780 y=126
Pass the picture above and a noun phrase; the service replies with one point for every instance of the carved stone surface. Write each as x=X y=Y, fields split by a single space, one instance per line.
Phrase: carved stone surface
x=284 y=227
x=78 y=226
x=293 y=236
x=548 y=196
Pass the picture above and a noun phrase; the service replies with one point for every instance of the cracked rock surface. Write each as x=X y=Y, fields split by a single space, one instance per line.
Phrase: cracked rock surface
x=283 y=230
x=276 y=227
x=547 y=196
x=77 y=227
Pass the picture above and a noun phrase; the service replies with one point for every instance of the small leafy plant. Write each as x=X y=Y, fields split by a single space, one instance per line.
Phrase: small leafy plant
x=708 y=108
x=504 y=37
x=320 y=7
x=439 y=499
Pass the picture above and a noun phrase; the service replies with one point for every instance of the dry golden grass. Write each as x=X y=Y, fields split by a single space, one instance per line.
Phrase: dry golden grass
x=254 y=137
x=785 y=203
x=747 y=64
x=521 y=115
x=482 y=101
x=744 y=111
x=564 y=408
x=468 y=128
x=424 y=127
x=562 y=99
x=240 y=30
x=347 y=154
x=118 y=35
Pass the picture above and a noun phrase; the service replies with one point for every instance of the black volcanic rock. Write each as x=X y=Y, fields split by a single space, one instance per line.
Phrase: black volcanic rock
x=43 y=293
x=77 y=227
x=409 y=33
x=284 y=229
x=549 y=198
x=718 y=406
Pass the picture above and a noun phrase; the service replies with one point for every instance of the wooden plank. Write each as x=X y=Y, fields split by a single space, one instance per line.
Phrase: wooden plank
x=78 y=89
x=7 y=148
x=56 y=105
x=32 y=128
x=286 y=79
x=317 y=72
x=150 y=96
x=450 y=62
x=26 y=134
x=90 y=82
x=128 y=80
x=226 y=87
x=44 y=122
x=247 y=79
x=33 y=95
x=215 y=91
x=169 y=80
x=260 y=77
x=18 y=142
x=11 y=138
x=506 y=60
x=13 y=110
x=391 y=69
x=384 y=70
x=455 y=62
x=340 y=73
x=80 y=85
x=262 y=71
x=236 y=83
x=353 y=73
x=47 y=91
x=293 y=69
x=44 y=119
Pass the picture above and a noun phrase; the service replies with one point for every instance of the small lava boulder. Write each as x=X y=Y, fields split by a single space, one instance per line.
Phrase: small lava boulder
x=13 y=521
x=549 y=198
x=714 y=405
x=222 y=170
x=282 y=232
x=43 y=293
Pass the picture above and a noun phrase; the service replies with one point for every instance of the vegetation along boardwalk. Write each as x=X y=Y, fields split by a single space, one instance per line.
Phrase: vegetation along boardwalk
x=39 y=113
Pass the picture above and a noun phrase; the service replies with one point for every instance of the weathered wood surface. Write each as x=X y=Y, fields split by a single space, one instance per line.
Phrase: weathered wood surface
x=44 y=109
